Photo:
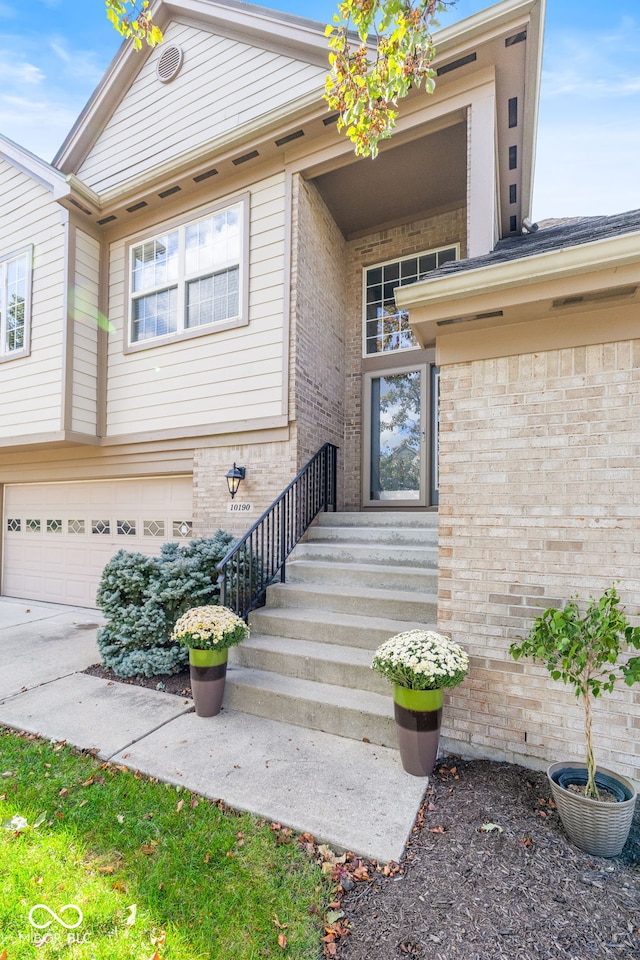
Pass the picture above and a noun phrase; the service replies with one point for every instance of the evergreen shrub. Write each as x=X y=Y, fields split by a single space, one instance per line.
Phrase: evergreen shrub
x=142 y=597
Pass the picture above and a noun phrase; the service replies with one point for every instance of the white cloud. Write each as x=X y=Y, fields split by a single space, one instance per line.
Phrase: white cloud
x=17 y=73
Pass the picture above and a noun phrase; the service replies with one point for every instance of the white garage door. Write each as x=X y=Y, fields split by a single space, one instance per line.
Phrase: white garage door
x=57 y=537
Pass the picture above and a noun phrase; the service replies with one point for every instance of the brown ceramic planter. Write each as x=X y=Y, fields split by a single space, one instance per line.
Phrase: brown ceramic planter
x=418 y=714
x=208 y=670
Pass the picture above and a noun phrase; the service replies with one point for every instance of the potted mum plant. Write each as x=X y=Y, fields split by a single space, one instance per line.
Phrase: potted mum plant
x=595 y=805
x=420 y=664
x=208 y=632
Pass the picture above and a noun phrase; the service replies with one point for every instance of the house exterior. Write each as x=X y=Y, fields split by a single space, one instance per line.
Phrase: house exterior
x=205 y=275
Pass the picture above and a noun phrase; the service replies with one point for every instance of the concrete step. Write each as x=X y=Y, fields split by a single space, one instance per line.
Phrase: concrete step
x=379 y=518
x=363 y=575
x=330 y=663
x=326 y=626
x=391 y=604
x=380 y=536
x=358 y=714
x=406 y=555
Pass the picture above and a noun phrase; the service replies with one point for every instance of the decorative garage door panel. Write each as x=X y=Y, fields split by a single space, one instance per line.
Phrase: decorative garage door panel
x=57 y=537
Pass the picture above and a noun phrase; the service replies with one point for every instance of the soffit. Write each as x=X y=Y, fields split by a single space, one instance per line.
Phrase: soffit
x=404 y=182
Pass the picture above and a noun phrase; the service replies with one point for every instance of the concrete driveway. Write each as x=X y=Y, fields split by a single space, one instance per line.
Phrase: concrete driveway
x=352 y=795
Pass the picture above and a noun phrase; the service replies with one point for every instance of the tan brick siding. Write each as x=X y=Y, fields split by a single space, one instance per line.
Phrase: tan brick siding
x=317 y=311
x=539 y=501
x=270 y=467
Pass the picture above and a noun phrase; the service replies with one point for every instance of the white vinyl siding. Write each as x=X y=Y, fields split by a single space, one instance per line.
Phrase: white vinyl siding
x=227 y=375
x=30 y=217
x=223 y=84
x=86 y=320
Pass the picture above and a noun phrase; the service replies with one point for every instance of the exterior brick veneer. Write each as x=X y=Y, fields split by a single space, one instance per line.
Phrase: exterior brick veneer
x=539 y=501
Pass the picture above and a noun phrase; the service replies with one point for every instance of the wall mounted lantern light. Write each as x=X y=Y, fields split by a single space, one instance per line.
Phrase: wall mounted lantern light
x=234 y=477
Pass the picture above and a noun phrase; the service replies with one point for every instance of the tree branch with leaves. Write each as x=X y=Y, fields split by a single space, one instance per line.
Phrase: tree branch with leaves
x=392 y=54
x=132 y=19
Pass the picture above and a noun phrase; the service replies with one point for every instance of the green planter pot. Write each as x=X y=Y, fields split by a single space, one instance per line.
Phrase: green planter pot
x=418 y=714
x=208 y=670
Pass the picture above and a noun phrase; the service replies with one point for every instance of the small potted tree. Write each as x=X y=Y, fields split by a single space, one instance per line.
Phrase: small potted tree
x=582 y=649
x=420 y=663
x=208 y=632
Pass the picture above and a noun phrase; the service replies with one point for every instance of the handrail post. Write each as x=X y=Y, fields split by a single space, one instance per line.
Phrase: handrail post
x=222 y=585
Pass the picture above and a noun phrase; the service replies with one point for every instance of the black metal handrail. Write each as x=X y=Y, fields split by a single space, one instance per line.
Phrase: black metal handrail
x=259 y=558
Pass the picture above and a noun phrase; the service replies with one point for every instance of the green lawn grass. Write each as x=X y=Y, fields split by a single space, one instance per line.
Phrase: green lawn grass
x=152 y=870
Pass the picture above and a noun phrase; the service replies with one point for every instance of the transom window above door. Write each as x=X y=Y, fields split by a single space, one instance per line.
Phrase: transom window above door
x=385 y=327
x=189 y=278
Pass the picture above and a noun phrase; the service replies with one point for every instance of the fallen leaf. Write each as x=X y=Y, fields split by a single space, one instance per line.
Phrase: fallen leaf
x=334 y=915
x=179 y=806
x=63 y=792
x=119 y=886
x=41 y=819
x=148 y=849
x=87 y=783
x=439 y=829
x=131 y=919
x=106 y=869
x=526 y=842
x=491 y=828
x=282 y=940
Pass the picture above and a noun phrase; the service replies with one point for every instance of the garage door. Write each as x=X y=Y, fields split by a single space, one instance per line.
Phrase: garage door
x=57 y=537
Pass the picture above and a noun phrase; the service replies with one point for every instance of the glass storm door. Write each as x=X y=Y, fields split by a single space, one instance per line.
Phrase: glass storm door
x=401 y=426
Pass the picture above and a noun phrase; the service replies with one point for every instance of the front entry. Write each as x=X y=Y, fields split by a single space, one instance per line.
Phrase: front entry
x=401 y=437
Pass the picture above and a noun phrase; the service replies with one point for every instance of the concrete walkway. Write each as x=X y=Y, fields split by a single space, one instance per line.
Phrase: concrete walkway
x=352 y=795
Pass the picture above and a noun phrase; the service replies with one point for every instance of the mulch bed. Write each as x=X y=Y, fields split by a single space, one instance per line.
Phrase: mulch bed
x=177 y=683
x=488 y=875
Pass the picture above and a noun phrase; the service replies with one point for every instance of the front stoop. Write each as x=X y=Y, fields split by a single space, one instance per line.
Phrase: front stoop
x=358 y=579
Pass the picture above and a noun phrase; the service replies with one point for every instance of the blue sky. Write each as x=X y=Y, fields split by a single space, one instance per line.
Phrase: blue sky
x=54 y=52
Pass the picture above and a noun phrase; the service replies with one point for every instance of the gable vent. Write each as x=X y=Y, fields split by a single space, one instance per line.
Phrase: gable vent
x=169 y=64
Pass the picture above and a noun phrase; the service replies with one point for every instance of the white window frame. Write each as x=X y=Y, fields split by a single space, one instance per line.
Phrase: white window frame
x=183 y=332
x=385 y=263
x=26 y=254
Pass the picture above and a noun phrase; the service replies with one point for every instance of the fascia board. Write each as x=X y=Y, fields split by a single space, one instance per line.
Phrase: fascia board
x=35 y=168
x=293 y=36
x=526 y=272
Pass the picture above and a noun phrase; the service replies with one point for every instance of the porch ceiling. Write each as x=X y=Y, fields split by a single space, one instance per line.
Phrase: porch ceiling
x=404 y=182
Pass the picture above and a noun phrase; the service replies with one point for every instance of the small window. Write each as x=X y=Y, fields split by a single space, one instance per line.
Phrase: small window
x=188 y=278
x=385 y=327
x=15 y=304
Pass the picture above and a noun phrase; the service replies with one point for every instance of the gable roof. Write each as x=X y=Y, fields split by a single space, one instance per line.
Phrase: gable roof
x=35 y=168
x=295 y=37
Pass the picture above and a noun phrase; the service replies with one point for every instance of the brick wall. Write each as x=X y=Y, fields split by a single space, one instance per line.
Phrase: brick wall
x=401 y=241
x=317 y=342
x=539 y=501
x=270 y=467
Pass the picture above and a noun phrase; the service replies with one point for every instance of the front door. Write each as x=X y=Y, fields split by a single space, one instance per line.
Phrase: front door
x=401 y=437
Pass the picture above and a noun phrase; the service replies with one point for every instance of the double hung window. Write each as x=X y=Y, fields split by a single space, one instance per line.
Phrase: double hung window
x=15 y=290
x=188 y=278
x=385 y=327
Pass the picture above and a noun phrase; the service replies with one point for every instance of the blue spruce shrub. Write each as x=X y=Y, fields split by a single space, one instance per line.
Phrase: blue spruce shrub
x=142 y=597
